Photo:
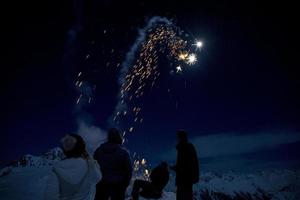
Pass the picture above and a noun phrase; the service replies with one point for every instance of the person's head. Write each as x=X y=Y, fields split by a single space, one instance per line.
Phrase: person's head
x=164 y=165
x=114 y=136
x=182 y=136
x=74 y=146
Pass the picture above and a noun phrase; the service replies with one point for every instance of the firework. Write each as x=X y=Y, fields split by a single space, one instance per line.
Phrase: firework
x=191 y=59
x=198 y=44
x=161 y=40
x=178 y=69
x=140 y=71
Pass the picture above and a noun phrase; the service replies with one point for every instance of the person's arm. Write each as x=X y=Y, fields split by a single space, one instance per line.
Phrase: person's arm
x=52 y=187
x=98 y=171
x=95 y=167
x=173 y=167
x=95 y=154
x=128 y=168
x=154 y=174
x=195 y=164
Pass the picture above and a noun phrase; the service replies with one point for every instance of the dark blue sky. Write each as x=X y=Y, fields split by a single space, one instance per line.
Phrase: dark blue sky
x=246 y=82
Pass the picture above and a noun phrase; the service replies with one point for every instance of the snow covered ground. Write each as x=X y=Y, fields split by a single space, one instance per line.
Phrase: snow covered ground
x=26 y=180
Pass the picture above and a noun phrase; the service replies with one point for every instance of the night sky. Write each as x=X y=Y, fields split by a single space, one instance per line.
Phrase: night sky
x=239 y=102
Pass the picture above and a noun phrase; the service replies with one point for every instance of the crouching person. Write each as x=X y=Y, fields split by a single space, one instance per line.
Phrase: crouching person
x=116 y=168
x=75 y=177
x=153 y=189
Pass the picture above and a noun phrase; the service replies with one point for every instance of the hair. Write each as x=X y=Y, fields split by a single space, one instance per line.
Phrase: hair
x=114 y=136
x=79 y=149
x=182 y=135
x=164 y=164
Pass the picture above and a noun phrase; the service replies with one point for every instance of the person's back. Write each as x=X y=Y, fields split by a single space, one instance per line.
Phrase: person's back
x=152 y=189
x=116 y=168
x=114 y=163
x=76 y=178
x=186 y=168
x=160 y=176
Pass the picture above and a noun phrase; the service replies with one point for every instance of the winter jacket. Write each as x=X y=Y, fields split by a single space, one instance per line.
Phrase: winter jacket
x=187 y=166
x=73 y=179
x=159 y=177
x=115 y=164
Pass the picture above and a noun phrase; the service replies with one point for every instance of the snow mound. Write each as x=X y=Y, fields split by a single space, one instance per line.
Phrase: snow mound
x=26 y=179
x=47 y=159
x=165 y=196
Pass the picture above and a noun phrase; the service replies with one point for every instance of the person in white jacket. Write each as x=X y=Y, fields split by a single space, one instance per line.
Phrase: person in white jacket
x=75 y=177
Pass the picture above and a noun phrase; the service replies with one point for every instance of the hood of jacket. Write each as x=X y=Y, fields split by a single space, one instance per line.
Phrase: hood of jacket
x=110 y=148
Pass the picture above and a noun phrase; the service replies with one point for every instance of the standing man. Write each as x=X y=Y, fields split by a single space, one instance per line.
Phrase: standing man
x=116 y=168
x=186 y=168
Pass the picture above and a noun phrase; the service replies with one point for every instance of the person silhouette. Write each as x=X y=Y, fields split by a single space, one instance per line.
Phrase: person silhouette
x=116 y=168
x=76 y=176
x=153 y=189
x=186 y=168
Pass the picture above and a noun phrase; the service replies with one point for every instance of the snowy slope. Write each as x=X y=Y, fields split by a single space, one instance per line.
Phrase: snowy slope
x=27 y=178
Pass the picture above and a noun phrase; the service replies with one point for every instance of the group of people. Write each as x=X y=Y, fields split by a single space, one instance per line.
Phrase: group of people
x=109 y=172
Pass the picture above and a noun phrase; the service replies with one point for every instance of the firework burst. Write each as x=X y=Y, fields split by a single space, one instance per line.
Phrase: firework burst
x=161 y=38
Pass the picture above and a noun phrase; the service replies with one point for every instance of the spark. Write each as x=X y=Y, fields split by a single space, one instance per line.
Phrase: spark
x=199 y=44
x=79 y=98
x=131 y=129
x=191 y=59
x=183 y=56
x=178 y=69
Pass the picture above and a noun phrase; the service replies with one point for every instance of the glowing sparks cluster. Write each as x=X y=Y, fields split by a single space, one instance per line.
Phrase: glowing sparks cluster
x=163 y=40
x=140 y=169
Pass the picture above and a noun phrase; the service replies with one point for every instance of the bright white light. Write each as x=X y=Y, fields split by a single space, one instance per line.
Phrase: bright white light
x=199 y=44
x=191 y=59
x=178 y=69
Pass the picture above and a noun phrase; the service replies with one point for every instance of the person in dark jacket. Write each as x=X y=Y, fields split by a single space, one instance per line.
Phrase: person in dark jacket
x=116 y=168
x=186 y=168
x=159 y=178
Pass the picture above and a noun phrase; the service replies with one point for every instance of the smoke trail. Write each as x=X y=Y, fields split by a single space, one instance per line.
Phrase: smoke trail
x=74 y=44
x=92 y=135
x=130 y=56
